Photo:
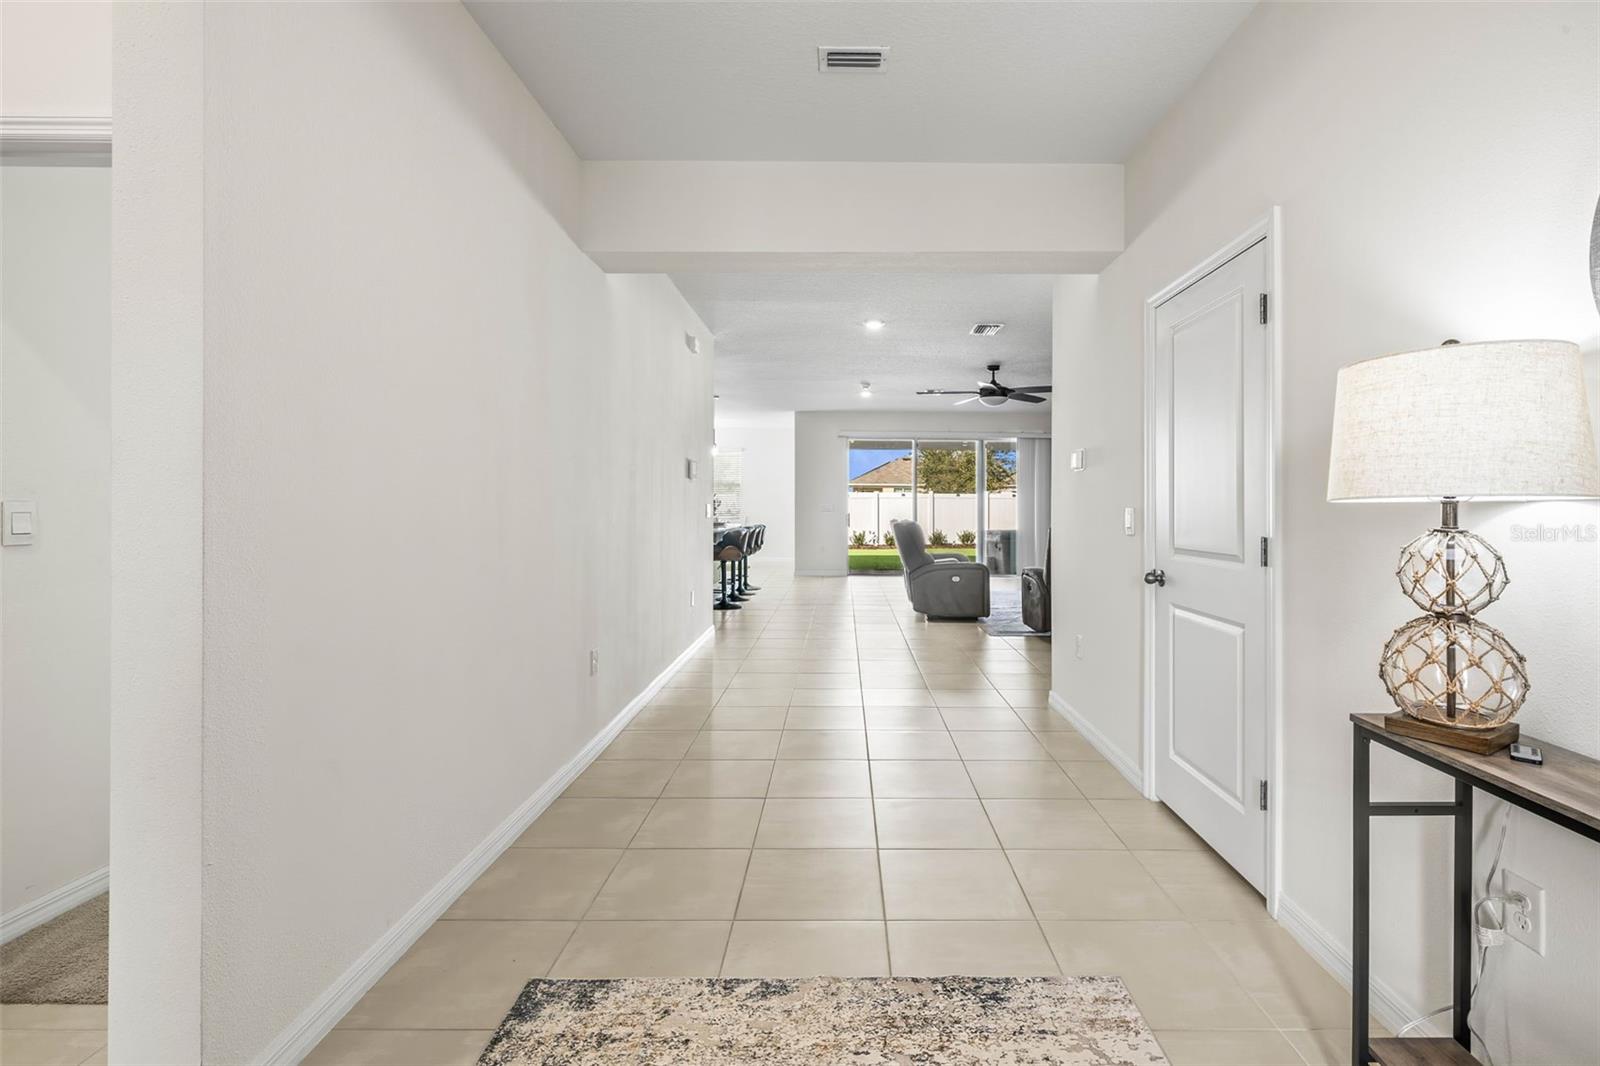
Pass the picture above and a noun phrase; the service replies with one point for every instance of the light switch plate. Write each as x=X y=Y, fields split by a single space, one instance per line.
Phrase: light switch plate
x=19 y=522
x=1127 y=521
x=1077 y=459
x=691 y=469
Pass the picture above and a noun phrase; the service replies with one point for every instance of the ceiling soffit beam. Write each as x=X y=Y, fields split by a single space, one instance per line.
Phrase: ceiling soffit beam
x=979 y=217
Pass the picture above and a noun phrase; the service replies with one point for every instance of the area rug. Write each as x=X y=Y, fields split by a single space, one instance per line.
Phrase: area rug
x=61 y=961
x=1005 y=615
x=821 y=1021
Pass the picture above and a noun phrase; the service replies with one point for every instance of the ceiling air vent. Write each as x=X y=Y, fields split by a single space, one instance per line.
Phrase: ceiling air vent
x=987 y=329
x=862 y=58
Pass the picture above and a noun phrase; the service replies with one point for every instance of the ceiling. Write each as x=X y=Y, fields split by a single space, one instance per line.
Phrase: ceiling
x=994 y=82
x=795 y=342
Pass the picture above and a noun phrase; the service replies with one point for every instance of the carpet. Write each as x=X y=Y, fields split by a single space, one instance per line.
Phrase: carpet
x=1005 y=615
x=822 y=1021
x=61 y=961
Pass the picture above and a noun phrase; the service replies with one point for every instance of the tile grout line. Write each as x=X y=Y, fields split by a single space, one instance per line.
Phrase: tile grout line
x=755 y=834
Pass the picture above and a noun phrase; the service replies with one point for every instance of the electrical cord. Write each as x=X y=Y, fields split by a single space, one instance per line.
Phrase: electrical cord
x=1483 y=948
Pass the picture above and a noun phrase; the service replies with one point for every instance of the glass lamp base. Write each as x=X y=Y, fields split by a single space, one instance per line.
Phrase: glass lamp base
x=1454 y=671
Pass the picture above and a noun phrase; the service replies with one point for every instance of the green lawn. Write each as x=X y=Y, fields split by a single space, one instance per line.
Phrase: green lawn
x=889 y=559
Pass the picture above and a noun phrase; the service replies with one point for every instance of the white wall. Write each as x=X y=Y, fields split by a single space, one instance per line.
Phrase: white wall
x=56 y=604
x=1437 y=170
x=157 y=365
x=821 y=464
x=721 y=216
x=397 y=612
x=55 y=59
x=768 y=493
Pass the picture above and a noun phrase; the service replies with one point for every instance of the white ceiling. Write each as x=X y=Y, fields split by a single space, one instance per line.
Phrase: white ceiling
x=994 y=82
x=795 y=342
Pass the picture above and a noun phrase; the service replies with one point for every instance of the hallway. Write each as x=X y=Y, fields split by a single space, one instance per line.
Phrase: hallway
x=837 y=786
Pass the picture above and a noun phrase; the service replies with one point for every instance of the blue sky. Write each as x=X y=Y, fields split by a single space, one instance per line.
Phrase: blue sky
x=864 y=459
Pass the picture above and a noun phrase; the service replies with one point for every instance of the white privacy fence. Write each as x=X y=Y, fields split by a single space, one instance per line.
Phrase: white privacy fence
x=948 y=512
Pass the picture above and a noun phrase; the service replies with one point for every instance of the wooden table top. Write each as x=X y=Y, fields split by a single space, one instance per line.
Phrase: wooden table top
x=1568 y=782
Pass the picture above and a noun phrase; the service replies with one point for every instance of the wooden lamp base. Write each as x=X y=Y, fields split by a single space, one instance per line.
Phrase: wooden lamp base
x=1479 y=741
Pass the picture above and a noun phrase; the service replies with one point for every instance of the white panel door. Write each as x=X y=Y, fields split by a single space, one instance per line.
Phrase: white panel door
x=1211 y=464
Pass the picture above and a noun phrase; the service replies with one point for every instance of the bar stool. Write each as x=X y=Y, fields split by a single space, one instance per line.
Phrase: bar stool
x=741 y=577
x=729 y=548
x=758 y=534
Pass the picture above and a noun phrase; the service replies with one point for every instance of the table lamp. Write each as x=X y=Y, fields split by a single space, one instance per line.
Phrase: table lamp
x=1500 y=420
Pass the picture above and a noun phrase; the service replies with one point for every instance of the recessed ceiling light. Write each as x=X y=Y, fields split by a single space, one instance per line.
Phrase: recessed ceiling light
x=866 y=390
x=873 y=325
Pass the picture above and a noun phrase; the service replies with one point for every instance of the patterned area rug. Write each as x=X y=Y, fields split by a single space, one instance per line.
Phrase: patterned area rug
x=821 y=1021
x=1005 y=615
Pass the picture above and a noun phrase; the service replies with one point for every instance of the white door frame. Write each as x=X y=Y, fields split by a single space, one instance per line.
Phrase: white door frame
x=1270 y=230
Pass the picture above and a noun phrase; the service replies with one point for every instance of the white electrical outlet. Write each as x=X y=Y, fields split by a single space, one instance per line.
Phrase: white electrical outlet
x=594 y=663
x=1524 y=925
x=1077 y=646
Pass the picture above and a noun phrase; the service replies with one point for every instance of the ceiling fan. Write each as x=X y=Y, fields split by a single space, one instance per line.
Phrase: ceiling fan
x=991 y=393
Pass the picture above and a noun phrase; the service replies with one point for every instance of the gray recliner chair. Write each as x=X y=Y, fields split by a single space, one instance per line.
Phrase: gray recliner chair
x=940 y=585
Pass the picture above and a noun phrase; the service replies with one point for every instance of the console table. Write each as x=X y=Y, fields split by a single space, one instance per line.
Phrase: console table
x=1565 y=790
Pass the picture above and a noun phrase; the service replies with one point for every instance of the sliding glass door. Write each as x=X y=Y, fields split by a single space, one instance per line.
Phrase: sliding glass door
x=947 y=494
x=881 y=478
x=963 y=505
x=1000 y=506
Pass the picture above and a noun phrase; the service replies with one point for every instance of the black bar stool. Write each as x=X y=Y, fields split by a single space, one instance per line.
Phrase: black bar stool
x=729 y=548
x=741 y=583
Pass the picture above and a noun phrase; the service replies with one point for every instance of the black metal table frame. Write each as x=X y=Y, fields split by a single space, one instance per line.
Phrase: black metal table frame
x=1461 y=888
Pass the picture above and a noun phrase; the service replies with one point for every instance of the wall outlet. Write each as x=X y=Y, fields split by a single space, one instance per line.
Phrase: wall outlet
x=1525 y=926
x=594 y=663
x=1077 y=646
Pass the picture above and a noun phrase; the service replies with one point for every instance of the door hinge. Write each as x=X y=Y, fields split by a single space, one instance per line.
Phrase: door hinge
x=1263 y=794
x=1263 y=309
x=1265 y=555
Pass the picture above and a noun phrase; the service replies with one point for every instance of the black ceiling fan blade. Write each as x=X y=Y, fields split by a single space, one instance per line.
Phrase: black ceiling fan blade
x=947 y=392
x=1024 y=397
x=1031 y=388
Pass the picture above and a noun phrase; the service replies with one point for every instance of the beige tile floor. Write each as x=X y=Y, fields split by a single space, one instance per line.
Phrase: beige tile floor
x=836 y=786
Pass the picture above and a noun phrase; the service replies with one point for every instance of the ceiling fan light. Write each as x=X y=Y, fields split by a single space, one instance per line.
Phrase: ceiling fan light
x=866 y=390
x=991 y=401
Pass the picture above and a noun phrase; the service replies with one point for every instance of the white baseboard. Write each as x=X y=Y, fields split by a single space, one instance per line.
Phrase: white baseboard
x=317 y=1020
x=1389 y=1009
x=54 y=904
x=1110 y=752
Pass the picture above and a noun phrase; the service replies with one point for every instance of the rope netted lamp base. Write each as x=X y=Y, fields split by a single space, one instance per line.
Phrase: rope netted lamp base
x=1447 y=668
x=1504 y=420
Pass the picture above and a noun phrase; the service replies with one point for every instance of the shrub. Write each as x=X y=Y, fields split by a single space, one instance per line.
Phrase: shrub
x=967 y=538
x=888 y=540
x=938 y=539
x=858 y=539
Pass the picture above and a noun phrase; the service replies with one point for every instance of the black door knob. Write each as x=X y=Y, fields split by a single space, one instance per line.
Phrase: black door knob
x=1155 y=577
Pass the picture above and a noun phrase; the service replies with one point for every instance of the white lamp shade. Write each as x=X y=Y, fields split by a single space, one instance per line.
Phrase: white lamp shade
x=1500 y=420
